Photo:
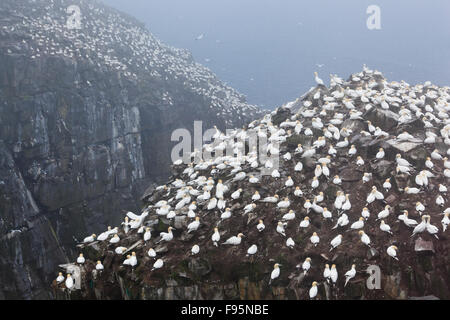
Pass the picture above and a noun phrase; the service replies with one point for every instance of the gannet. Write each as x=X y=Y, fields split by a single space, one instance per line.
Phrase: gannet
x=60 y=278
x=358 y=224
x=248 y=208
x=81 y=259
x=380 y=155
x=333 y=274
x=431 y=229
x=275 y=272
x=114 y=239
x=420 y=227
x=151 y=253
x=252 y=250
x=195 y=249
x=285 y=203
x=314 y=239
x=387 y=185
x=326 y=273
x=89 y=239
x=290 y=243
x=280 y=228
x=234 y=240
x=304 y=223
x=289 y=216
x=99 y=266
x=298 y=192
x=384 y=227
x=384 y=213
x=313 y=290
x=69 y=282
x=193 y=226
x=336 y=242
x=306 y=265
x=392 y=251
x=158 y=264
x=350 y=274
x=364 y=238
x=409 y=190
x=407 y=221
x=445 y=221
x=147 y=234
x=166 y=236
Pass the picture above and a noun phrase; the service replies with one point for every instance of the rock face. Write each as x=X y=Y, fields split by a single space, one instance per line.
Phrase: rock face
x=420 y=268
x=86 y=117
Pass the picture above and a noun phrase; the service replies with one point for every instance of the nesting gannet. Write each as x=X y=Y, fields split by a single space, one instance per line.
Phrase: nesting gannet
x=336 y=242
x=147 y=234
x=280 y=228
x=421 y=226
x=158 y=264
x=364 y=238
x=275 y=272
x=89 y=239
x=69 y=282
x=81 y=259
x=445 y=221
x=384 y=213
x=60 y=278
x=392 y=251
x=384 y=227
x=193 y=226
x=215 y=237
x=350 y=274
x=252 y=250
x=114 y=239
x=304 y=223
x=99 y=266
x=431 y=229
x=313 y=290
x=358 y=224
x=151 y=253
x=166 y=236
x=195 y=249
x=234 y=240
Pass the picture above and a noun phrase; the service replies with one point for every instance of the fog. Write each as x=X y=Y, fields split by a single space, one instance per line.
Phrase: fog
x=269 y=49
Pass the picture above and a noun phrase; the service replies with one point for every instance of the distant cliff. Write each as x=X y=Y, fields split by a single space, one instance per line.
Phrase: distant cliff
x=85 y=122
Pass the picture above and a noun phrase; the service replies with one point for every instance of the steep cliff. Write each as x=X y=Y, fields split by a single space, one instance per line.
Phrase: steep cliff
x=362 y=182
x=85 y=122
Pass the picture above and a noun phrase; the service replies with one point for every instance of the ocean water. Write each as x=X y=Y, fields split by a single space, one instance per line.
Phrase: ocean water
x=269 y=49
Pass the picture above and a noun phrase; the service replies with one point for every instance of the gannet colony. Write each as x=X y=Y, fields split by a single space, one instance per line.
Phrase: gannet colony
x=362 y=183
x=111 y=40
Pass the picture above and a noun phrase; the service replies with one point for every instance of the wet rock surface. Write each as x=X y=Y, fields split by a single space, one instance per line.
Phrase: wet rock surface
x=228 y=272
x=86 y=118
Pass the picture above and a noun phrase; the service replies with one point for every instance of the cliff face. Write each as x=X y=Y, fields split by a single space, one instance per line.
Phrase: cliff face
x=85 y=122
x=364 y=113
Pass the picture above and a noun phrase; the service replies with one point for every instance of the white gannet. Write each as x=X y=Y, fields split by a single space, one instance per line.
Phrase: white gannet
x=384 y=227
x=336 y=242
x=280 y=228
x=275 y=272
x=151 y=253
x=59 y=278
x=392 y=251
x=350 y=274
x=260 y=226
x=81 y=259
x=445 y=221
x=147 y=234
x=193 y=226
x=364 y=238
x=114 y=239
x=333 y=274
x=166 y=236
x=290 y=243
x=99 y=266
x=313 y=290
x=420 y=227
x=304 y=223
x=215 y=237
x=314 y=239
x=431 y=229
x=234 y=240
x=306 y=265
x=89 y=239
x=69 y=282
x=252 y=250
x=358 y=224
x=158 y=264
x=195 y=249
